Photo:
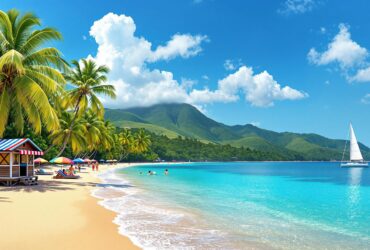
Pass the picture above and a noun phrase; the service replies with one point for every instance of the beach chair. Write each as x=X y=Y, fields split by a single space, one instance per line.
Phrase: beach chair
x=43 y=172
x=61 y=175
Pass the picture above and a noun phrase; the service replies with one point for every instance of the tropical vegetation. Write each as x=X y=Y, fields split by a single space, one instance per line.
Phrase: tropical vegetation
x=35 y=102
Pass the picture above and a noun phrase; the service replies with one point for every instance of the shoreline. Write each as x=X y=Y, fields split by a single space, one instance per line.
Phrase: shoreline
x=59 y=214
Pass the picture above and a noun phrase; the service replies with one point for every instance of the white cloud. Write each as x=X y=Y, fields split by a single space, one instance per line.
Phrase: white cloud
x=228 y=65
x=128 y=56
x=205 y=77
x=297 y=6
x=260 y=90
x=342 y=49
x=232 y=64
x=366 y=99
x=256 y=124
x=362 y=75
x=187 y=84
x=179 y=45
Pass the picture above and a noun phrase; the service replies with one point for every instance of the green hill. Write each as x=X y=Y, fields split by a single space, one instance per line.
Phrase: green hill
x=173 y=120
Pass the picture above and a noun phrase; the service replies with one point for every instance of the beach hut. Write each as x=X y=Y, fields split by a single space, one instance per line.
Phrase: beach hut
x=16 y=161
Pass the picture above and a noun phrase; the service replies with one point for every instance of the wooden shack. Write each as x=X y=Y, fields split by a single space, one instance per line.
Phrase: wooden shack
x=16 y=160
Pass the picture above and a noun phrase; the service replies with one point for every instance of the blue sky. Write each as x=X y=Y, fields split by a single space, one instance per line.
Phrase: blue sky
x=238 y=61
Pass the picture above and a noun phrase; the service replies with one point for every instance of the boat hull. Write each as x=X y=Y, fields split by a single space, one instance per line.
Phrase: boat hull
x=354 y=165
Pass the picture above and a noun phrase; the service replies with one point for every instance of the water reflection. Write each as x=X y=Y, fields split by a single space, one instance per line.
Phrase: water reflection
x=354 y=196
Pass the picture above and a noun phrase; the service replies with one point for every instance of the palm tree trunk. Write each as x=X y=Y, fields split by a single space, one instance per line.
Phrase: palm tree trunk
x=64 y=145
x=93 y=154
x=50 y=147
x=77 y=108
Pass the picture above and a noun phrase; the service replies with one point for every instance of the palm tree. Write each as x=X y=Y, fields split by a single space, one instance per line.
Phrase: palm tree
x=141 y=141
x=94 y=127
x=29 y=75
x=88 y=80
x=107 y=135
x=127 y=141
x=76 y=132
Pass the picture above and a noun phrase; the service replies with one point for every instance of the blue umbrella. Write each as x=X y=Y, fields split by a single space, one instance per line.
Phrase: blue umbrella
x=102 y=160
x=78 y=160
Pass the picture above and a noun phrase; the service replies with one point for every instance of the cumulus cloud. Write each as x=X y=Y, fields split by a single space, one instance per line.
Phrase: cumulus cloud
x=342 y=50
x=362 y=75
x=296 y=6
x=260 y=90
x=128 y=56
x=348 y=54
x=179 y=45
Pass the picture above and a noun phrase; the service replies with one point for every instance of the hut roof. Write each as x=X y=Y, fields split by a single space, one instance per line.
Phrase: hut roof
x=13 y=144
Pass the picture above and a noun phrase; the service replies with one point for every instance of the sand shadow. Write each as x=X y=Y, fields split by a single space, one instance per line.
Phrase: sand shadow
x=49 y=186
x=4 y=199
x=57 y=185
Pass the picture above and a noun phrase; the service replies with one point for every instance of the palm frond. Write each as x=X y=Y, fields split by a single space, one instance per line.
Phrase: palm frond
x=38 y=37
x=14 y=59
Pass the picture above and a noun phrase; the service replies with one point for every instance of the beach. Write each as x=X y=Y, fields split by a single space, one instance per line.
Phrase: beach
x=58 y=214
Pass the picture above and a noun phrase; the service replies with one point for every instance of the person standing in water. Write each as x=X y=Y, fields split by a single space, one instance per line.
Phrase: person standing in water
x=166 y=172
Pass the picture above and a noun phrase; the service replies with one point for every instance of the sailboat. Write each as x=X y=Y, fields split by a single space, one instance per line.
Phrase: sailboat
x=356 y=159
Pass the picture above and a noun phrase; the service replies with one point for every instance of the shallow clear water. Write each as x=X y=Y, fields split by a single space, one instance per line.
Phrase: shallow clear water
x=265 y=205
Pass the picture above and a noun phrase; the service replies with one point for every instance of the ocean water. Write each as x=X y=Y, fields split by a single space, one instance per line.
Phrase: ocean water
x=243 y=205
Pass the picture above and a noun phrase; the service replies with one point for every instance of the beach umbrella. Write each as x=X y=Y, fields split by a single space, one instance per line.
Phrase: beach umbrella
x=78 y=160
x=102 y=160
x=61 y=160
x=40 y=161
x=87 y=160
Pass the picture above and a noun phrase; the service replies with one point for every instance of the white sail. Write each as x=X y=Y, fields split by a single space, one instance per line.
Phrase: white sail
x=355 y=153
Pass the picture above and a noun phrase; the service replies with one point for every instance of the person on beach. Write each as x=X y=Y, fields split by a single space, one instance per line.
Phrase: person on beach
x=97 y=166
x=71 y=170
x=93 y=166
x=166 y=172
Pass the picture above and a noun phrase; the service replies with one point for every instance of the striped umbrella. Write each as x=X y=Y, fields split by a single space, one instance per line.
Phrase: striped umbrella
x=61 y=160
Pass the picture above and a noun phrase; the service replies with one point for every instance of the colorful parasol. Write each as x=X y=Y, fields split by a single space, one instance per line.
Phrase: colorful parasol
x=61 y=160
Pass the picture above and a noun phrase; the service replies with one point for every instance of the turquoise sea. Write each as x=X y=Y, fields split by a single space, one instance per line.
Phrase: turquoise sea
x=243 y=205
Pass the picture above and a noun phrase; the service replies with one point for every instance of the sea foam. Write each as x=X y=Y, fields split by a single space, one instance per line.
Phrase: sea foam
x=151 y=224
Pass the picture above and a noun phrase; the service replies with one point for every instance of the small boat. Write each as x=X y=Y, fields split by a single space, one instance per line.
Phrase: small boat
x=356 y=159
